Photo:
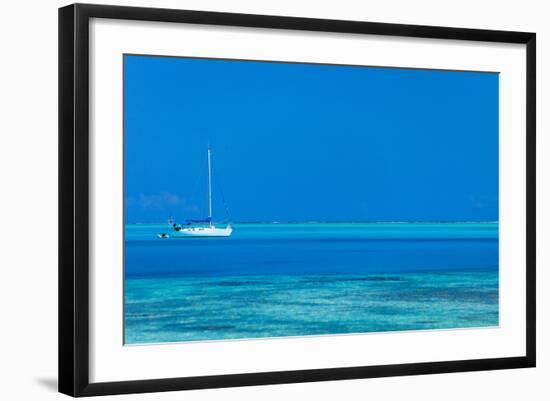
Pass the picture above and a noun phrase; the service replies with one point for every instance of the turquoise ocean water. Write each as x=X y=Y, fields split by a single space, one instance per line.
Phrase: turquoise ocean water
x=271 y=280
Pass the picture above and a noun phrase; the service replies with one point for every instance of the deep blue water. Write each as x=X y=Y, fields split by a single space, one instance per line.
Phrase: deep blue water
x=270 y=280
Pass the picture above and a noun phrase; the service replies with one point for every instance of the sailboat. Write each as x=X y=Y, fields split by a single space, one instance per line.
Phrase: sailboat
x=200 y=228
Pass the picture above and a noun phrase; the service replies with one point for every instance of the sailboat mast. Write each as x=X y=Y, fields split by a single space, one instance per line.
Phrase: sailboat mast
x=209 y=185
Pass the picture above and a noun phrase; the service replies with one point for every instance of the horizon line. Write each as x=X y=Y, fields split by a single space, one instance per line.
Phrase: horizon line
x=342 y=222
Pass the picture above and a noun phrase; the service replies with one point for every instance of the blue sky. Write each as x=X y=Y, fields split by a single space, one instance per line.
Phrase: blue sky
x=306 y=142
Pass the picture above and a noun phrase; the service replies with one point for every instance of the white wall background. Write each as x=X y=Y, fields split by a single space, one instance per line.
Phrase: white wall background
x=28 y=199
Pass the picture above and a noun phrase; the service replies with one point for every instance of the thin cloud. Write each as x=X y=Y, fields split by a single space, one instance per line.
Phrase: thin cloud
x=160 y=201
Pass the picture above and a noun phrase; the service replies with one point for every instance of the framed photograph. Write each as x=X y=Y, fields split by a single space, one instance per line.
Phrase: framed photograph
x=250 y=199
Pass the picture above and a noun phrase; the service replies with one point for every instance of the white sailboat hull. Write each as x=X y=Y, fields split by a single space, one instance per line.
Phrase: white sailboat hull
x=202 y=232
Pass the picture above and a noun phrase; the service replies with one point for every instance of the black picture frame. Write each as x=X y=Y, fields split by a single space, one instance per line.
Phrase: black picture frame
x=74 y=198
